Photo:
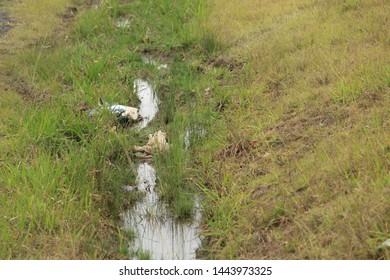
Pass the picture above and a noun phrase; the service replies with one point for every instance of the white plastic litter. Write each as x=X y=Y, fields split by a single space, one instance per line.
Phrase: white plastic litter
x=121 y=110
x=157 y=141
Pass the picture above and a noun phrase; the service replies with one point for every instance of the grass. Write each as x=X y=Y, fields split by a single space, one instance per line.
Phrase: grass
x=284 y=104
x=62 y=169
x=301 y=172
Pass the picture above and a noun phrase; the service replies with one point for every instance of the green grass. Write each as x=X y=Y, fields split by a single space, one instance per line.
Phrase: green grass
x=303 y=149
x=143 y=255
x=62 y=169
x=287 y=104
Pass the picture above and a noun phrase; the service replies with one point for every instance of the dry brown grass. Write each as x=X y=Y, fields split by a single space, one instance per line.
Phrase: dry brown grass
x=317 y=105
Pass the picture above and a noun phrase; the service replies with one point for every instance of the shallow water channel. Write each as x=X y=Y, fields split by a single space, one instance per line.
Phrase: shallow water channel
x=157 y=233
x=149 y=101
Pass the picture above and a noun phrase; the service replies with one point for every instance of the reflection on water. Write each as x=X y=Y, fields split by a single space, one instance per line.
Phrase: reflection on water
x=149 y=101
x=157 y=232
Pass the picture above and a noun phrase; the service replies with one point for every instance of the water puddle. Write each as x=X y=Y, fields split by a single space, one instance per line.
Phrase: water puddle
x=149 y=101
x=157 y=233
x=5 y=22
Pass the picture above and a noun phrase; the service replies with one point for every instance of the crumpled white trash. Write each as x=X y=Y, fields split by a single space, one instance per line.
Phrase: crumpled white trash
x=121 y=110
x=157 y=141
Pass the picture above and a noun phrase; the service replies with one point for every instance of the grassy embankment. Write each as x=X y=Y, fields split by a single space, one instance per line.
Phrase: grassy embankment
x=60 y=169
x=294 y=98
x=302 y=167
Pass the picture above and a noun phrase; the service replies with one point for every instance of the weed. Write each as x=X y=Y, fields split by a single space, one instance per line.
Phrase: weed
x=143 y=255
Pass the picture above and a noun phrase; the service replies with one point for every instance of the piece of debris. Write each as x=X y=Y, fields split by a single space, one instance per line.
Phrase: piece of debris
x=122 y=111
x=163 y=66
x=157 y=141
x=384 y=245
x=128 y=188
x=143 y=155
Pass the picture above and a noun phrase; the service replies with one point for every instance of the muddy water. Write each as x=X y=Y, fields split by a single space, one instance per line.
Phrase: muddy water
x=5 y=21
x=149 y=101
x=157 y=233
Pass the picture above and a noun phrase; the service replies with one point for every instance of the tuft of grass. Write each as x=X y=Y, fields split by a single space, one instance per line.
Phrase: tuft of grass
x=143 y=255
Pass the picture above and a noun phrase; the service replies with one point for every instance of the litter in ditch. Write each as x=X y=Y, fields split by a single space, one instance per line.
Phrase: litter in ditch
x=124 y=113
x=157 y=141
